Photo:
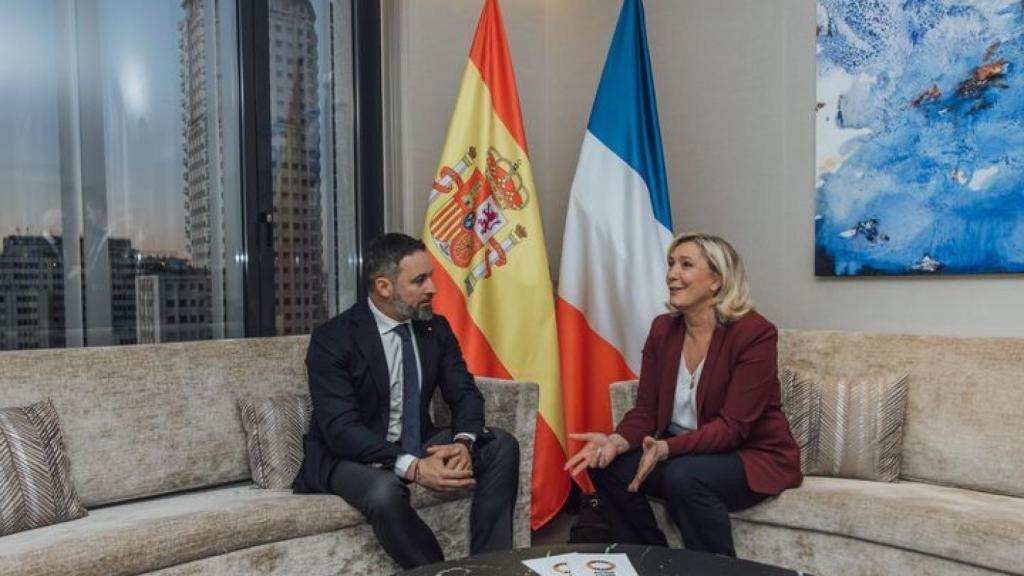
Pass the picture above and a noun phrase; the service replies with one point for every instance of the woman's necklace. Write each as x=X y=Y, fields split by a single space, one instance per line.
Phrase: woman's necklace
x=703 y=355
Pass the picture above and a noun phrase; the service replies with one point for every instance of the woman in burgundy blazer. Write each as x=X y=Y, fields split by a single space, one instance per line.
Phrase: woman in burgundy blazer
x=707 y=434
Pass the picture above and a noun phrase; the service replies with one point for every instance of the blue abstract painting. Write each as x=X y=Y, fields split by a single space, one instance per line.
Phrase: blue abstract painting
x=919 y=137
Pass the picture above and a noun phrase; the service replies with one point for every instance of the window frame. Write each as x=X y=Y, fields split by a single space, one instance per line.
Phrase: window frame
x=256 y=175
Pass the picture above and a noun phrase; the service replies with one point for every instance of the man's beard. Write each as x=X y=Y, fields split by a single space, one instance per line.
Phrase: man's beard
x=422 y=312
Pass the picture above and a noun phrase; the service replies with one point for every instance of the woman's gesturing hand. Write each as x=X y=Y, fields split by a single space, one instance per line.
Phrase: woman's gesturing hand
x=598 y=452
x=654 y=451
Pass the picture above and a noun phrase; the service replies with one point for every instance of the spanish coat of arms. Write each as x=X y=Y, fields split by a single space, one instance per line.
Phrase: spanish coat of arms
x=473 y=219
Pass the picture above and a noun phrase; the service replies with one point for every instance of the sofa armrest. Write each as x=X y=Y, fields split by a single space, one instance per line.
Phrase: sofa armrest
x=511 y=406
x=623 y=398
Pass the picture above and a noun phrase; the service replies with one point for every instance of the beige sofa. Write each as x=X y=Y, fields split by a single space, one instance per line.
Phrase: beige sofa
x=958 y=509
x=158 y=457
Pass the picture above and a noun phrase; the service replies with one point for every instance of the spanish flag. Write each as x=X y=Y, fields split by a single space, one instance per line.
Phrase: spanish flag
x=483 y=232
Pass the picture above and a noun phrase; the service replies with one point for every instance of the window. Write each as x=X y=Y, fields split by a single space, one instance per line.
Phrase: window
x=127 y=179
x=123 y=172
x=311 y=121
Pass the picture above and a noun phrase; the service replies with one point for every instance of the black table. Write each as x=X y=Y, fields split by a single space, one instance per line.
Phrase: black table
x=647 y=560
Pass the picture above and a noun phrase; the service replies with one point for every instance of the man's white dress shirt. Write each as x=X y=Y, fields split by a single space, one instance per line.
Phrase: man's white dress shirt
x=392 y=343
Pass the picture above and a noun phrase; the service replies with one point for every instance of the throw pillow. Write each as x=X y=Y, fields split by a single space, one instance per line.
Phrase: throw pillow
x=36 y=488
x=274 y=427
x=847 y=427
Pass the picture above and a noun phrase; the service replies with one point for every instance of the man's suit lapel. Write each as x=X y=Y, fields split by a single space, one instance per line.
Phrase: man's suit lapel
x=369 y=344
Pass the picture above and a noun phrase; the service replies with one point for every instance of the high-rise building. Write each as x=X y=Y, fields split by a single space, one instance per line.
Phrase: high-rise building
x=172 y=301
x=31 y=293
x=124 y=267
x=196 y=113
x=212 y=174
x=299 y=287
x=32 y=312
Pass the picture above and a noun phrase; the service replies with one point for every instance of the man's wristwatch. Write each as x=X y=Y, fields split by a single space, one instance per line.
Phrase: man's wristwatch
x=465 y=442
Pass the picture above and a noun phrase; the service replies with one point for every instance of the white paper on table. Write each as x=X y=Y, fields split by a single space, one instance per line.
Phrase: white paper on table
x=601 y=565
x=557 y=565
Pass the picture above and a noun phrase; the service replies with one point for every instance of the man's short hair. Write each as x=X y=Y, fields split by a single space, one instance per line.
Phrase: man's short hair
x=383 y=254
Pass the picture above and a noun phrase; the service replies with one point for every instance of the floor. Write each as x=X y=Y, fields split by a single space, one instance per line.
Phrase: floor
x=556 y=531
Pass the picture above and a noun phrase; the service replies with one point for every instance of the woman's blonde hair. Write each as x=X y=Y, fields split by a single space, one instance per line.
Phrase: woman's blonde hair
x=732 y=300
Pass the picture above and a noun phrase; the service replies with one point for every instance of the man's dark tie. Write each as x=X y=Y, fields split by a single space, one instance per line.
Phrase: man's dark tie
x=410 y=394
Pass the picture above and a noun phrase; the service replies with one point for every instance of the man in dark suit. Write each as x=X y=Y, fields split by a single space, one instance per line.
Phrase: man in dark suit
x=372 y=371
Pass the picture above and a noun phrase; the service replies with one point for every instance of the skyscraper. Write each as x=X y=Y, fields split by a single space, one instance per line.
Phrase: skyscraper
x=195 y=123
x=31 y=293
x=124 y=267
x=172 y=301
x=299 y=287
x=210 y=120
x=32 y=297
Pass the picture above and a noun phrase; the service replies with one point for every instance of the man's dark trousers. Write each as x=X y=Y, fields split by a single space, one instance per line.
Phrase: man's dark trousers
x=383 y=498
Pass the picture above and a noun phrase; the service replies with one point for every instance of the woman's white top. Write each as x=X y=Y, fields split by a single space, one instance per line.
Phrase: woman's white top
x=684 y=409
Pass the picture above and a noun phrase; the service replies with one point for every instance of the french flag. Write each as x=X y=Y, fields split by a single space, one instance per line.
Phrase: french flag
x=618 y=226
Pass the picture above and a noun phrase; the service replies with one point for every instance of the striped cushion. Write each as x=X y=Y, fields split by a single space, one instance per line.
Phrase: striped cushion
x=36 y=488
x=847 y=428
x=274 y=427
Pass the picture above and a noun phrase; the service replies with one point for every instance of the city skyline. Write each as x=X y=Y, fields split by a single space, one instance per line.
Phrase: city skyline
x=153 y=299
x=161 y=121
x=142 y=108
x=142 y=125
